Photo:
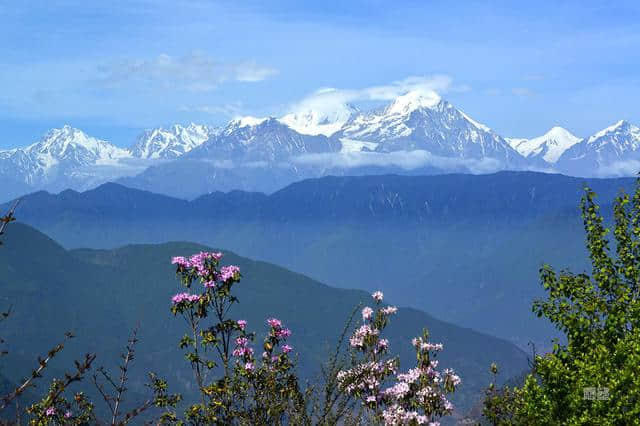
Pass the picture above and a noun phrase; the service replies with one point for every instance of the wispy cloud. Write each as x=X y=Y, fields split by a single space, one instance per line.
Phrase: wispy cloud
x=619 y=168
x=195 y=72
x=329 y=99
x=406 y=160
x=231 y=110
x=523 y=92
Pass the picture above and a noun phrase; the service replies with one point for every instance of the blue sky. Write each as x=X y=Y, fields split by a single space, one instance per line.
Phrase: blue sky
x=113 y=68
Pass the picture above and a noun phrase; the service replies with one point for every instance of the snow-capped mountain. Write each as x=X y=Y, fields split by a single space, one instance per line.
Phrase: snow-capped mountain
x=416 y=133
x=425 y=121
x=267 y=141
x=172 y=142
x=313 y=122
x=549 y=146
x=611 y=151
x=56 y=155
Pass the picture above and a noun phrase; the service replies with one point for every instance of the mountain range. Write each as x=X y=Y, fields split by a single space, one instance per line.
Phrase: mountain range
x=416 y=133
x=101 y=295
x=466 y=248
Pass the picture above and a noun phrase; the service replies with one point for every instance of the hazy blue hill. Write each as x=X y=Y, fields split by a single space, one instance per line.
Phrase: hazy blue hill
x=101 y=295
x=466 y=248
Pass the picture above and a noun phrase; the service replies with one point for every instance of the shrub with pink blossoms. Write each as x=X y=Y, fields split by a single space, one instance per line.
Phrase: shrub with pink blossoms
x=415 y=397
x=371 y=367
x=246 y=389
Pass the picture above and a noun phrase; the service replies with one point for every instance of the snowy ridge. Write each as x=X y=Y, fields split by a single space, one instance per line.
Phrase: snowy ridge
x=416 y=131
x=619 y=127
x=549 y=146
x=172 y=142
x=316 y=122
x=613 y=151
x=426 y=122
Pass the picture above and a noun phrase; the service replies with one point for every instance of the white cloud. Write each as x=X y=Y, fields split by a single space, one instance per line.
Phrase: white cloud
x=328 y=100
x=620 y=168
x=228 y=110
x=406 y=160
x=195 y=72
x=522 y=91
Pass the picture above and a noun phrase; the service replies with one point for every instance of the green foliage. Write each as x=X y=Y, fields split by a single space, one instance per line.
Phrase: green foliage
x=593 y=379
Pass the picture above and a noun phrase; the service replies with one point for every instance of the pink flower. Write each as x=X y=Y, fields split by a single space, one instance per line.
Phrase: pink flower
x=67 y=414
x=275 y=323
x=248 y=366
x=389 y=310
x=180 y=261
x=383 y=343
x=242 y=324
x=241 y=351
x=286 y=349
x=209 y=284
x=377 y=296
x=184 y=297
x=283 y=333
x=452 y=376
x=229 y=272
x=431 y=346
x=367 y=312
x=357 y=340
x=50 y=411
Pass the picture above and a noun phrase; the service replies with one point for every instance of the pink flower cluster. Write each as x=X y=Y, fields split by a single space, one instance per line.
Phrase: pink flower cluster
x=184 y=297
x=415 y=397
x=397 y=415
x=242 y=324
x=277 y=329
x=389 y=310
x=419 y=344
x=229 y=272
x=197 y=261
x=51 y=411
x=274 y=323
x=367 y=313
x=361 y=334
x=242 y=349
x=366 y=377
x=452 y=377
x=422 y=386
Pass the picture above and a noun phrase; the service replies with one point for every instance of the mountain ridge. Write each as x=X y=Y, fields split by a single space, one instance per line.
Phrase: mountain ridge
x=416 y=133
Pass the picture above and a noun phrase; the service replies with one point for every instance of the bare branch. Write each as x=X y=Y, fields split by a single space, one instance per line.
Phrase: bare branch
x=35 y=373
x=128 y=357
x=9 y=217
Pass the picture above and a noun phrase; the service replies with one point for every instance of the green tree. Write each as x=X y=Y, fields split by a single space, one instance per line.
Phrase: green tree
x=595 y=377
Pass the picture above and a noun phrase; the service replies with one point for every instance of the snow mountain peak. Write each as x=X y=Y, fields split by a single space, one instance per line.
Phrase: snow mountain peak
x=549 y=146
x=319 y=121
x=161 y=143
x=620 y=126
x=413 y=100
x=71 y=144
